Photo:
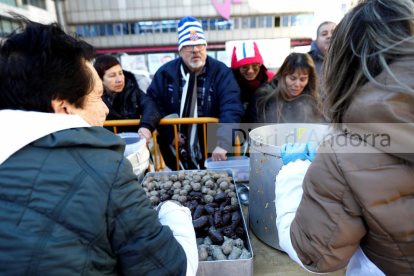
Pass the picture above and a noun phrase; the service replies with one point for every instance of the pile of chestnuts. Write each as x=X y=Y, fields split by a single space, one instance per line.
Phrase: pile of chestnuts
x=212 y=200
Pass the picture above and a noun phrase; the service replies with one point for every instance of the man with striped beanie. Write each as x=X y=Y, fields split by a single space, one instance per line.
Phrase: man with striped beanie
x=195 y=85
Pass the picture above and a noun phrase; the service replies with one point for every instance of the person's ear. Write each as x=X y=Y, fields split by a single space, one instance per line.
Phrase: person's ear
x=62 y=107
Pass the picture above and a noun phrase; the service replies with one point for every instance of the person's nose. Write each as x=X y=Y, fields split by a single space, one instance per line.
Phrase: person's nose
x=296 y=84
x=251 y=70
x=118 y=78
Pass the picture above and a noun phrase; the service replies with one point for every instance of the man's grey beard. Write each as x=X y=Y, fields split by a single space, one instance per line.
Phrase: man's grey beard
x=198 y=64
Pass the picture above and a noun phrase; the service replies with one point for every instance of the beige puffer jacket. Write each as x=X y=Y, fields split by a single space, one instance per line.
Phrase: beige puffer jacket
x=355 y=193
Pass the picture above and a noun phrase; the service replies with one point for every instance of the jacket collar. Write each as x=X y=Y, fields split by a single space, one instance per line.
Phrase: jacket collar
x=28 y=126
x=315 y=49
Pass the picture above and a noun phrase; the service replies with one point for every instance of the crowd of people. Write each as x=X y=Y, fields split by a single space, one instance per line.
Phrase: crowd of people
x=71 y=204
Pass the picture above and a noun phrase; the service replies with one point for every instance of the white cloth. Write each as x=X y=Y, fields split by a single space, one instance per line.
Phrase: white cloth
x=179 y=220
x=361 y=265
x=288 y=196
x=20 y=128
x=140 y=158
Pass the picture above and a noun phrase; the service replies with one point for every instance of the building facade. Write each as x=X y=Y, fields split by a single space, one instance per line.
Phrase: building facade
x=143 y=26
x=42 y=11
x=148 y=27
x=141 y=23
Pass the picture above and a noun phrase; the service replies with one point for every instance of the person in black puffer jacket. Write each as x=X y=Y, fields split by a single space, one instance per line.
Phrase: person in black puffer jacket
x=124 y=98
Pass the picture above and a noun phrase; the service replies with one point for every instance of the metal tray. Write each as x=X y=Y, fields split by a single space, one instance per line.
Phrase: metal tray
x=227 y=267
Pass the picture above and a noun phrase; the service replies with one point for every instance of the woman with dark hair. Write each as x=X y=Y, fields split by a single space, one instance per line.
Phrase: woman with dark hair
x=70 y=203
x=356 y=204
x=249 y=70
x=124 y=98
x=291 y=97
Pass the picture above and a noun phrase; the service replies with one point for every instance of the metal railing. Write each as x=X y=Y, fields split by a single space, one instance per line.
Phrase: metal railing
x=173 y=121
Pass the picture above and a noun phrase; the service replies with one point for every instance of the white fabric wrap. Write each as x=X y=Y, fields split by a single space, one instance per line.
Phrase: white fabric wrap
x=288 y=196
x=24 y=127
x=179 y=220
x=140 y=158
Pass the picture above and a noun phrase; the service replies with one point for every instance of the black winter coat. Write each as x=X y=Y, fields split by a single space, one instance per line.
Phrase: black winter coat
x=131 y=103
x=221 y=100
x=70 y=205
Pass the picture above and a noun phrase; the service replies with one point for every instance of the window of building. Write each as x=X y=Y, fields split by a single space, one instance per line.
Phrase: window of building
x=125 y=28
x=145 y=27
x=165 y=26
x=173 y=25
x=118 y=29
x=170 y=26
x=204 y=24
x=301 y=19
x=269 y=21
x=102 y=30
x=133 y=27
x=245 y=23
x=229 y=25
x=149 y=25
x=94 y=30
x=252 y=24
x=157 y=27
x=212 y=24
x=236 y=23
x=79 y=30
x=9 y=2
x=261 y=22
x=37 y=3
x=223 y=24
x=277 y=21
x=6 y=26
x=285 y=21
x=110 y=29
x=86 y=31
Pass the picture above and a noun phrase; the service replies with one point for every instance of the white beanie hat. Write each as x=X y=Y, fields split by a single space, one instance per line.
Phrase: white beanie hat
x=190 y=32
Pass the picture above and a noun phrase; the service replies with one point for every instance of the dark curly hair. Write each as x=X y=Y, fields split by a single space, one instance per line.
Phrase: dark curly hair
x=40 y=63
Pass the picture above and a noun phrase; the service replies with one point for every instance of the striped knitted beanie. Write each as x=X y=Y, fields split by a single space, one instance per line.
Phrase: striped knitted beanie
x=190 y=32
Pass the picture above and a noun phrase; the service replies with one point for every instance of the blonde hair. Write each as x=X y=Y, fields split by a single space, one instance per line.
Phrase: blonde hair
x=293 y=62
x=370 y=37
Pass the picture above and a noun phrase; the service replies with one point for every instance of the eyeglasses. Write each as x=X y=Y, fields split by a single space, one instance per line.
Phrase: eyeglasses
x=192 y=48
x=254 y=66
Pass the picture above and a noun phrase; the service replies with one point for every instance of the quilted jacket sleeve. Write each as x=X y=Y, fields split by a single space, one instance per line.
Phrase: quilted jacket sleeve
x=142 y=244
x=327 y=228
